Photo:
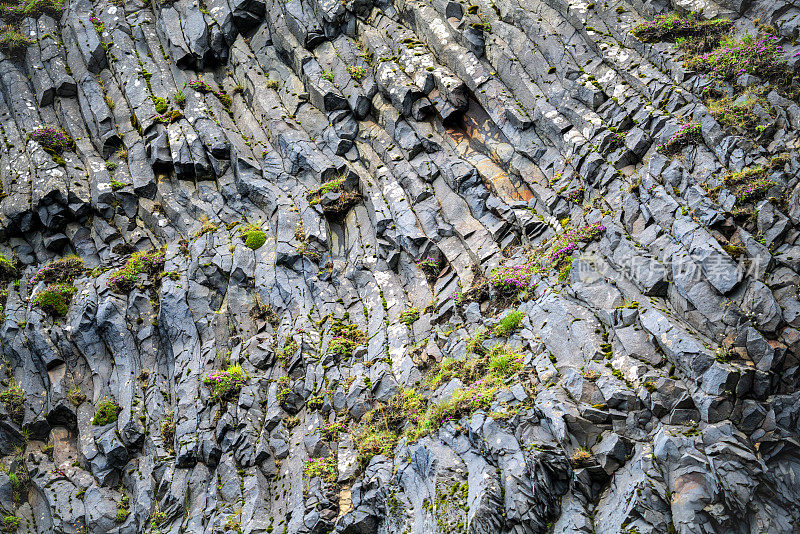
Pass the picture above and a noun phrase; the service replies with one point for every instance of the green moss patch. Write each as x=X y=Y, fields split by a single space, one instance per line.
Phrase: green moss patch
x=55 y=299
x=107 y=412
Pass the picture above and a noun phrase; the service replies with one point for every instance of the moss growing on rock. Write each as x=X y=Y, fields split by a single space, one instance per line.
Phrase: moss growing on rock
x=107 y=412
x=253 y=236
x=13 y=400
x=55 y=299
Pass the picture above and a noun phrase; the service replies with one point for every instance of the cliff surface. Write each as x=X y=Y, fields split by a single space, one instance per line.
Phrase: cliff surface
x=428 y=266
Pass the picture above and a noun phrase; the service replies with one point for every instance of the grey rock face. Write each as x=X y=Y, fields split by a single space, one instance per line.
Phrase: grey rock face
x=395 y=267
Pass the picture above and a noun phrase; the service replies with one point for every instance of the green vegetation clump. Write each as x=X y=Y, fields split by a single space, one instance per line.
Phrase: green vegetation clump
x=15 y=12
x=10 y=523
x=225 y=384
x=739 y=114
x=169 y=117
x=346 y=337
x=749 y=184
x=509 y=324
x=253 y=236
x=357 y=72
x=55 y=299
x=224 y=99
x=52 y=140
x=8 y=268
x=690 y=32
x=13 y=400
x=325 y=468
x=581 y=457
x=346 y=198
x=122 y=515
x=179 y=97
x=330 y=431
x=168 y=430
x=689 y=133
x=61 y=271
x=409 y=316
x=107 y=412
x=759 y=56
x=149 y=263
x=408 y=414
x=13 y=44
x=161 y=104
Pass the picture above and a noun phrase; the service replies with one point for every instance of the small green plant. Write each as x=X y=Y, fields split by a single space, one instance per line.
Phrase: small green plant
x=581 y=457
x=690 y=32
x=122 y=515
x=169 y=117
x=150 y=263
x=116 y=185
x=253 y=236
x=687 y=134
x=739 y=114
x=330 y=431
x=346 y=338
x=225 y=384
x=76 y=396
x=327 y=75
x=179 y=97
x=61 y=271
x=111 y=166
x=168 y=430
x=271 y=84
x=161 y=104
x=505 y=364
x=13 y=400
x=53 y=140
x=509 y=324
x=10 y=523
x=409 y=316
x=283 y=390
x=13 y=43
x=108 y=411
x=357 y=72
x=8 y=268
x=325 y=468
x=55 y=299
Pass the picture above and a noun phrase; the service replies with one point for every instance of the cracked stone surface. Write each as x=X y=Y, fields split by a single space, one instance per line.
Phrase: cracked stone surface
x=245 y=178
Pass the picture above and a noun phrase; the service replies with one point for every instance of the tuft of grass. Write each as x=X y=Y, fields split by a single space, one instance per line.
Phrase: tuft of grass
x=55 y=299
x=161 y=104
x=150 y=263
x=61 y=271
x=580 y=457
x=167 y=429
x=690 y=31
x=122 y=515
x=11 y=523
x=509 y=324
x=13 y=400
x=179 y=97
x=357 y=72
x=13 y=43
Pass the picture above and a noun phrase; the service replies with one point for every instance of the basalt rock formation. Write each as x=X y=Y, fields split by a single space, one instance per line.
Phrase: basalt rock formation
x=374 y=266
